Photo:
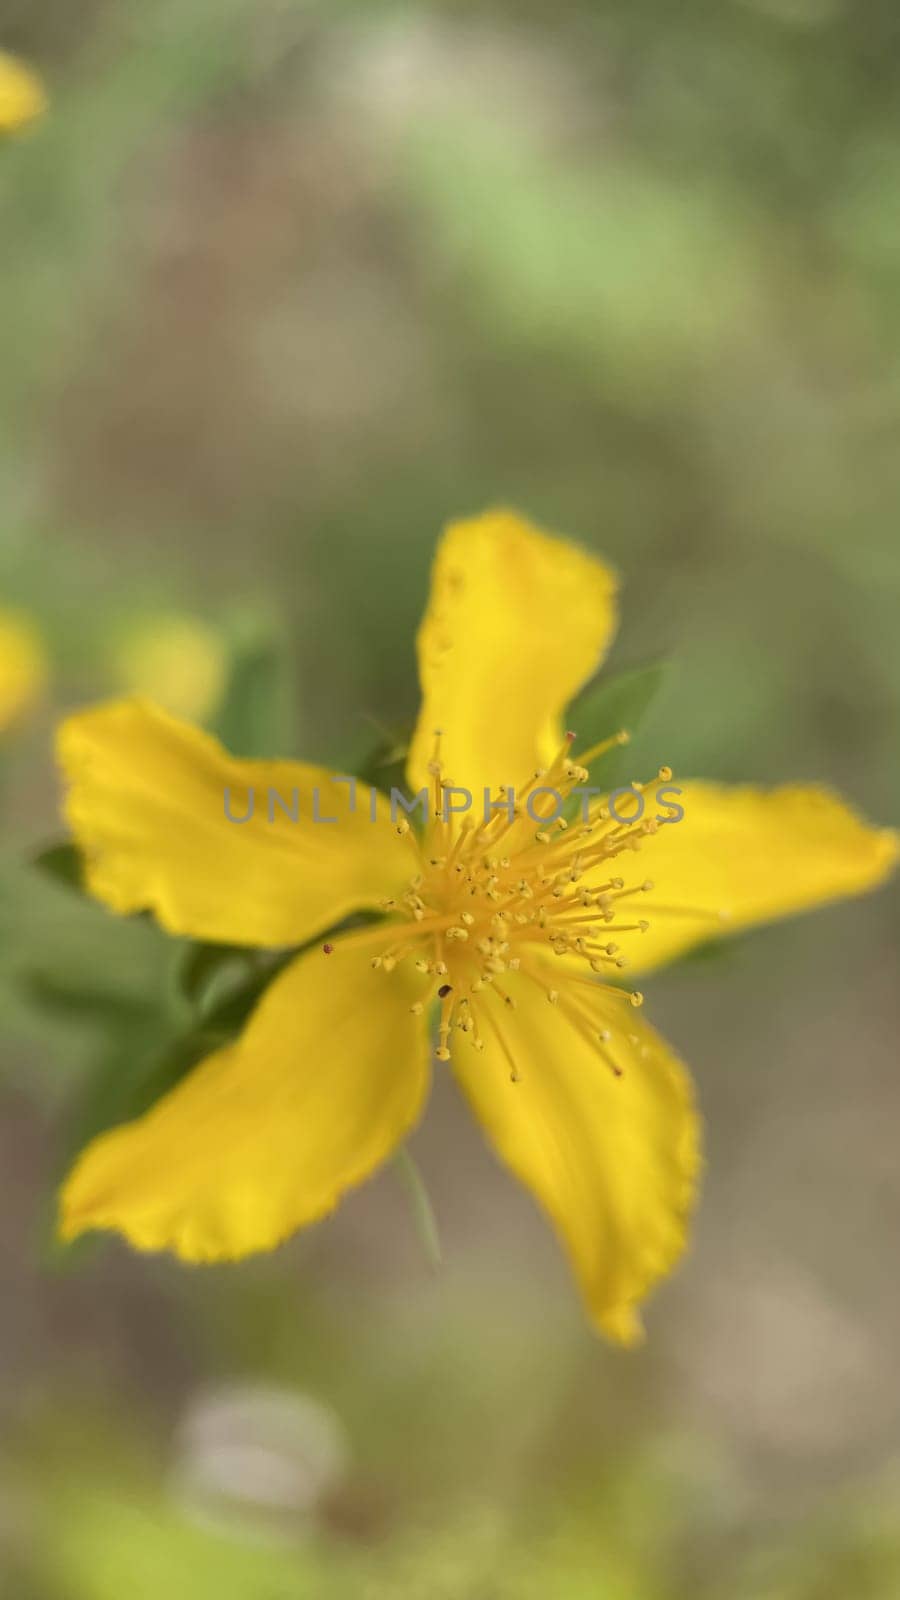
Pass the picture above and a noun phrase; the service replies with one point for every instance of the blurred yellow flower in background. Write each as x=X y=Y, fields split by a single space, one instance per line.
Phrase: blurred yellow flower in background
x=178 y=661
x=23 y=667
x=23 y=97
x=518 y=931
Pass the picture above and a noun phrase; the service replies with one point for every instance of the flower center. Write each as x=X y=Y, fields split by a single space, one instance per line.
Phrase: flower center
x=495 y=898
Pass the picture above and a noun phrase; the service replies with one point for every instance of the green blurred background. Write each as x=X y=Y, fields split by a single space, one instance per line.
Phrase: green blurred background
x=283 y=287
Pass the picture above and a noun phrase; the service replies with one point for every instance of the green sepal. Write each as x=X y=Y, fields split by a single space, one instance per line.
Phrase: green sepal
x=383 y=765
x=608 y=706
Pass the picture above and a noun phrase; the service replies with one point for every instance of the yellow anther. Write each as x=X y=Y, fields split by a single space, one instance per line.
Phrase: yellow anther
x=545 y=895
x=587 y=756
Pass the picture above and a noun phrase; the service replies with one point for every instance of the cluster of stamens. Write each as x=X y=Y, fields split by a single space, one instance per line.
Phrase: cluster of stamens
x=493 y=897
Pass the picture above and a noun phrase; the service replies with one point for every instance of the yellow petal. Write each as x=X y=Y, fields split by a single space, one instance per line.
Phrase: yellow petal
x=23 y=667
x=516 y=622
x=265 y=1135
x=22 y=94
x=146 y=804
x=613 y=1160
x=742 y=856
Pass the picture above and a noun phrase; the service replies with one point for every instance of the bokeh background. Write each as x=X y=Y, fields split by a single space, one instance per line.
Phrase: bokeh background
x=283 y=287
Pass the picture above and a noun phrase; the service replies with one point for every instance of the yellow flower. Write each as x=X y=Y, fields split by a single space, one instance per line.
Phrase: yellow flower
x=23 y=667
x=515 y=929
x=23 y=97
x=179 y=661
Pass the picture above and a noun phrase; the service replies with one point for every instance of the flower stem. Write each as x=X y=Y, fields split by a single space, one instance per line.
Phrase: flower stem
x=420 y=1206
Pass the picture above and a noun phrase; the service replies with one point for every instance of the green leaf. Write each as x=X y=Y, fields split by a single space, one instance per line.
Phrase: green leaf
x=130 y=1079
x=64 y=864
x=223 y=983
x=204 y=970
x=719 y=951
x=229 y=1004
x=609 y=705
x=69 y=998
x=255 y=719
